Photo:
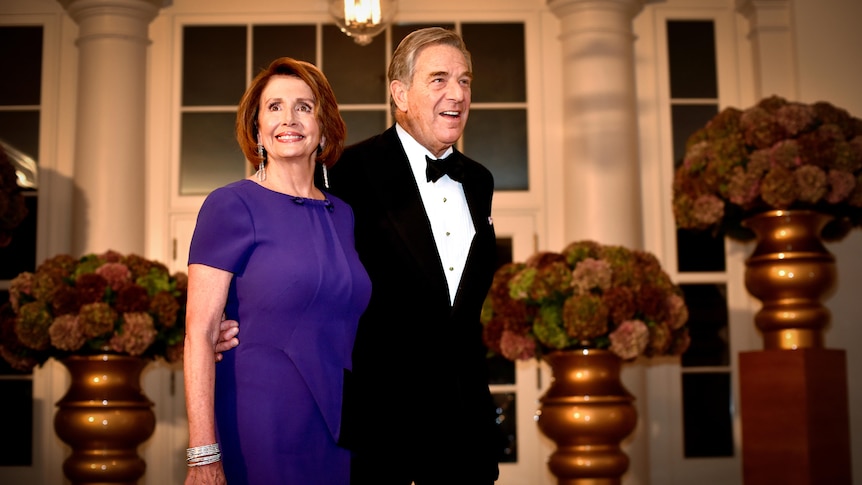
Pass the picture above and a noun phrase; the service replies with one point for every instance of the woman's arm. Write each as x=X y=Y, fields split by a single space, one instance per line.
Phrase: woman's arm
x=207 y=296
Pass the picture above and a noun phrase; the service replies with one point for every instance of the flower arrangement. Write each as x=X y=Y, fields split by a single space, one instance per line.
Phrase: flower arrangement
x=588 y=296
x=100 y=303
x=774 y=155
x=12 y=207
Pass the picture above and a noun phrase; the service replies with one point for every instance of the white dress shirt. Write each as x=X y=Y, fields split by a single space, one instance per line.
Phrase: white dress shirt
x=447 y=211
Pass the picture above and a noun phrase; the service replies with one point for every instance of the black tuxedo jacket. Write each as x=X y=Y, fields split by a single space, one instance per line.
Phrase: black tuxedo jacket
x=419 y=382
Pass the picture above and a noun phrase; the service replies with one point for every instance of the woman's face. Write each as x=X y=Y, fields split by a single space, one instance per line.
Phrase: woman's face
x=287 y=125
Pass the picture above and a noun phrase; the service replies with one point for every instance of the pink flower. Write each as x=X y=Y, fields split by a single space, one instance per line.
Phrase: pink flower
x=66 y=333
x=516 y=346
x=841 y=185
x=116 y=274
x=630 y=339
x=591 y=273
x=20 y=285
x=708 y=209
x=136 y=335
x=678 y=311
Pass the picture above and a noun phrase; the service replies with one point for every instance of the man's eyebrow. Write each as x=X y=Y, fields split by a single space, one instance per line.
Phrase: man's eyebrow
x=447 y=73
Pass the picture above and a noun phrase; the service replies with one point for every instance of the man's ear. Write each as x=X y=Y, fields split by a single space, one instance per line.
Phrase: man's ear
x=398 y=90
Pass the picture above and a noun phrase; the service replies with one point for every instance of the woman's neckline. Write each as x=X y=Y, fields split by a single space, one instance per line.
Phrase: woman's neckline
x=292 y=196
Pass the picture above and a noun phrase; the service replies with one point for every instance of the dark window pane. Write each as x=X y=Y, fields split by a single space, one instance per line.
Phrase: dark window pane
x=357 y=73
x=498 y=140
x=214 y=72
x=16 y=446
x=696 y=250
x=21 y=130
x=691 y=55
x=400 y=31
x=708 y=325
x=363 y=124
x=507 y=421
x=686 y=120
x=21 y=56
x=706 y=409
x=209 y=156
x=699 y=251
x=501 y=371
x=499 y=62
x=20 y=254
x=269 y=42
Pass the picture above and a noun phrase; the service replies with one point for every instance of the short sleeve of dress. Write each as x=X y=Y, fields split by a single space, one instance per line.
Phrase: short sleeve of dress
x=224 y=232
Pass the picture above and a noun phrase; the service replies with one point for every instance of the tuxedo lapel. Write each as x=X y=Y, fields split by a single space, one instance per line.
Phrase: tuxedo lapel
x=478 y=201
x=476 y=197
x=399 y=197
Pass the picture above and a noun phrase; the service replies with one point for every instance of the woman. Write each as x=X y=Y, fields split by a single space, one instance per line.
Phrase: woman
x=277 y=254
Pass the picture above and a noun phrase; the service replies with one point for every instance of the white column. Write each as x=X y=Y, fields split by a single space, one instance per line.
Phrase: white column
x=108 y=211
x=770 y=32
x=601 y=165
x=601 y=151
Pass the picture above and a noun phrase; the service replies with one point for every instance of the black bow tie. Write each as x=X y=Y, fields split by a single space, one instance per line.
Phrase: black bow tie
x=451 y=166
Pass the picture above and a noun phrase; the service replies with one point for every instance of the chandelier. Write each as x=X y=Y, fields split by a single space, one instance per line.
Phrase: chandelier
x=362 y=19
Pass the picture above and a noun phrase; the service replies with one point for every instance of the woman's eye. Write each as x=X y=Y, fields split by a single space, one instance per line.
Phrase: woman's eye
x=274 y=107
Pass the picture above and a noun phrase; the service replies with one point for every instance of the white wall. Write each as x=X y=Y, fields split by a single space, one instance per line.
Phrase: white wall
x=829 y=40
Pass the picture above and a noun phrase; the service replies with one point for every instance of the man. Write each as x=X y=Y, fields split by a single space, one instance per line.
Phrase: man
x=418 y=408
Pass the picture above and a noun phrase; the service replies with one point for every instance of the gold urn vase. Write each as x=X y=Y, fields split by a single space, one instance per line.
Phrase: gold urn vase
x=104 y=417
x=790 y=271
x=587 y=412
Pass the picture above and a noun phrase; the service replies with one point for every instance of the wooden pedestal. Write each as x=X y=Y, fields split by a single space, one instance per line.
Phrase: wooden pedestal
x=795 y=417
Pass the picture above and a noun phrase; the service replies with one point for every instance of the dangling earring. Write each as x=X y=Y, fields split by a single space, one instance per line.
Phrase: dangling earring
x=261 y=168
x=325 y=176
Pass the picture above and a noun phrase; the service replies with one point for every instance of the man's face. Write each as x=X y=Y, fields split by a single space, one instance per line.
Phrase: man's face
x=434 y=108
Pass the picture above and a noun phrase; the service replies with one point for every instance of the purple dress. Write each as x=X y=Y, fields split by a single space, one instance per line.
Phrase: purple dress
x=297 y=292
